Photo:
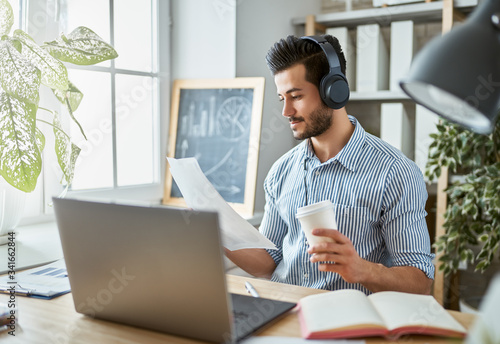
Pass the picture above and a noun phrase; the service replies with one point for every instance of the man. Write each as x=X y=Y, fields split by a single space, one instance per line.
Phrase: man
x=382 y=242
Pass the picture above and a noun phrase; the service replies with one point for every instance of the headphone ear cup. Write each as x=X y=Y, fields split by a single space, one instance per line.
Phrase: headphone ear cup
x=334 y=91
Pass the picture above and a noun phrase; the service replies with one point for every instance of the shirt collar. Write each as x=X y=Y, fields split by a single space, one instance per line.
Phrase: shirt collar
x=348 y=156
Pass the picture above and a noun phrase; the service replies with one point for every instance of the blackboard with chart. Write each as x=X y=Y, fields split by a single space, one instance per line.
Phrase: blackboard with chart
x=217 y=121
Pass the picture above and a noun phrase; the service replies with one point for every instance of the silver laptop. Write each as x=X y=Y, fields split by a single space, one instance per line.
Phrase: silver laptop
x=155 y=267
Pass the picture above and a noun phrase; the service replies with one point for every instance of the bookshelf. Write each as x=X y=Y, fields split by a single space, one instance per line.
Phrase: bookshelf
x=418 y=12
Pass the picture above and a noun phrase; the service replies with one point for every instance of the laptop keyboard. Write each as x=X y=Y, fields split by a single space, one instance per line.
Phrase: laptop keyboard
x=250 y=314
x=240 y=317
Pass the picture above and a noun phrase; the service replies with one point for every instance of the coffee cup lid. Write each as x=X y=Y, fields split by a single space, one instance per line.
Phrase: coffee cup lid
x=313 y=208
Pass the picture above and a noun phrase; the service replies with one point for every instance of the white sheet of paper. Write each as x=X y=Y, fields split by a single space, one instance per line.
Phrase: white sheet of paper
x=200 y=194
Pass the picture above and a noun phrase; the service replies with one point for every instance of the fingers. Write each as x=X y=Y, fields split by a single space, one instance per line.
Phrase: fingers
x=331 y=233
x=327 y=258
x=338 y=256
x=323 y=252
x=341 y=251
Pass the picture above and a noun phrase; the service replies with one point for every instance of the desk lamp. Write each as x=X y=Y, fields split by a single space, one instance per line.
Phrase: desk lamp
x=457 y=75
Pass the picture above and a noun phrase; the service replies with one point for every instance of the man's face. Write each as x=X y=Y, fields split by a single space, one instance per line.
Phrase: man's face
x=302 y=105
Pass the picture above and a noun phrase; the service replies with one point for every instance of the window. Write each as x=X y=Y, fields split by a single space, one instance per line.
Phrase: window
x=121 y=139
x=121 y=112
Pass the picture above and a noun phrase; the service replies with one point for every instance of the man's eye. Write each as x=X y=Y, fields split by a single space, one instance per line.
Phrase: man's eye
x=296 y=97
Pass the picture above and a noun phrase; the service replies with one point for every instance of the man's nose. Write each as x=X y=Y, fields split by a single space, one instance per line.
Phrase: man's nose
x=288 y=109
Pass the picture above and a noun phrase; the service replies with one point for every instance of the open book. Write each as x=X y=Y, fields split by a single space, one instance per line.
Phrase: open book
x=350 y=313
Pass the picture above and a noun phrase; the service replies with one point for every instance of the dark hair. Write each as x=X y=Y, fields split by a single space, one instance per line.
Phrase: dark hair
x=292 y=50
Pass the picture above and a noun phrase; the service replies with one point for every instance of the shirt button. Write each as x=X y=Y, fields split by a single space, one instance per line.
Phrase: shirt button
x=317 y=173
x=306 y=276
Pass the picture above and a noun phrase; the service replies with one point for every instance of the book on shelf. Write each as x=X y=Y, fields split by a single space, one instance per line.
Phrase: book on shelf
x=372 y=59
x=350 y=313
x=403 y=47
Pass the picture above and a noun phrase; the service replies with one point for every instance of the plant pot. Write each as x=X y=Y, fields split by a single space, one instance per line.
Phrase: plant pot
x=473 y=285
x=466 y=306
x=12 y=203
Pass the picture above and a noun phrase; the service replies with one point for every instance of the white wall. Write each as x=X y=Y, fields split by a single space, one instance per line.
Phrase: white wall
x=203 y=39
x=260 y=23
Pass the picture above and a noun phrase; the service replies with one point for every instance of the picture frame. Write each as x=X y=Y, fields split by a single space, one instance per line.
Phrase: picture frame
x=218 y=121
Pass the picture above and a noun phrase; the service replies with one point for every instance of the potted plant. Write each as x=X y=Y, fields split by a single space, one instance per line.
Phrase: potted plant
x=24 y=67
x=472 y=217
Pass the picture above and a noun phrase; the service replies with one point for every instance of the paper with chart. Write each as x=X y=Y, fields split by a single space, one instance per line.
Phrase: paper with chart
x=200 y=194
x=46 y=281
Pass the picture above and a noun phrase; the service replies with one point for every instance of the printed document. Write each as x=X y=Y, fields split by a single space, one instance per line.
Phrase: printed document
x=200 y=194
x=46 y=282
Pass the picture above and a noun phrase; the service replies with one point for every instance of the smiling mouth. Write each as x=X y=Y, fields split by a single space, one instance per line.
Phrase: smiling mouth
x=295 y=120
x=294 y=124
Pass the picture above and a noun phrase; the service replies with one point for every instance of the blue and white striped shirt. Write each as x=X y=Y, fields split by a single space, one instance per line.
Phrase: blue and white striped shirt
x=379 y=197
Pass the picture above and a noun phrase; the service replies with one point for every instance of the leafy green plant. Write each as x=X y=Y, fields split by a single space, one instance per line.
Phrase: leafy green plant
x=24 y=67
x=472 y=217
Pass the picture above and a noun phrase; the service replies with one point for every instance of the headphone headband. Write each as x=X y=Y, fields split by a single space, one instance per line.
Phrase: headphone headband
x=331 y=54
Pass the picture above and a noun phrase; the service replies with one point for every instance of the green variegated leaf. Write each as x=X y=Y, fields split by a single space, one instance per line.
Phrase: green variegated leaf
x=66 y=151
x=75 y=153
x=54 y=73
x=20 y=158
x=467 y=187
x=6 y=17
x=482 y=265
x=16 y=43
x=40 y=139
x=490 y=189
x=70 y=108
x=18 y=76
x=82 y=47
x=492 y=170
x=483 y=238
x=72 y=93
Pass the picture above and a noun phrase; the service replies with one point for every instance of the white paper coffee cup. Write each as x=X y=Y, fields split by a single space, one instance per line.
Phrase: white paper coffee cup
x=317 y=215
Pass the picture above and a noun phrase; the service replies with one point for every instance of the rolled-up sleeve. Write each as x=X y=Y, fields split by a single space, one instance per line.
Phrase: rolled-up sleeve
x=272 y=226
x=404 y=227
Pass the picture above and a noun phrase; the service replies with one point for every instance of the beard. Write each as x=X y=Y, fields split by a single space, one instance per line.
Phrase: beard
x=320 y=120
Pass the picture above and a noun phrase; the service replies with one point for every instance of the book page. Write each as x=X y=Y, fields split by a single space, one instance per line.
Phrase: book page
x=337 y=310
x=413 y=310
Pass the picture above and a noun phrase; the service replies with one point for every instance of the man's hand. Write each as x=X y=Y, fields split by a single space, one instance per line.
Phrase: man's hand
x=255 y=261
x=338 y=256
x=341 y=257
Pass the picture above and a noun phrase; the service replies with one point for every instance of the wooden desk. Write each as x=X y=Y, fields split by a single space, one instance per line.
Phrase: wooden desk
x=56 y=321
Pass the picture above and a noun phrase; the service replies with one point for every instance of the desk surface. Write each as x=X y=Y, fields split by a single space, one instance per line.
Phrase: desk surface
x=56 y=321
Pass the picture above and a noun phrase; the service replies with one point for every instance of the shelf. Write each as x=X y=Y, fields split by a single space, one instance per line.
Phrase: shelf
x=428 y=11
x=381 y=96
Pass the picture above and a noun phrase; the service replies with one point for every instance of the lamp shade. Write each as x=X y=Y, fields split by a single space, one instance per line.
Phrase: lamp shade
x=457 y=75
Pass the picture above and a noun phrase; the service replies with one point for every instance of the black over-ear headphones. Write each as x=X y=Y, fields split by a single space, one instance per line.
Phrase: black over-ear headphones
x=333 y=87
